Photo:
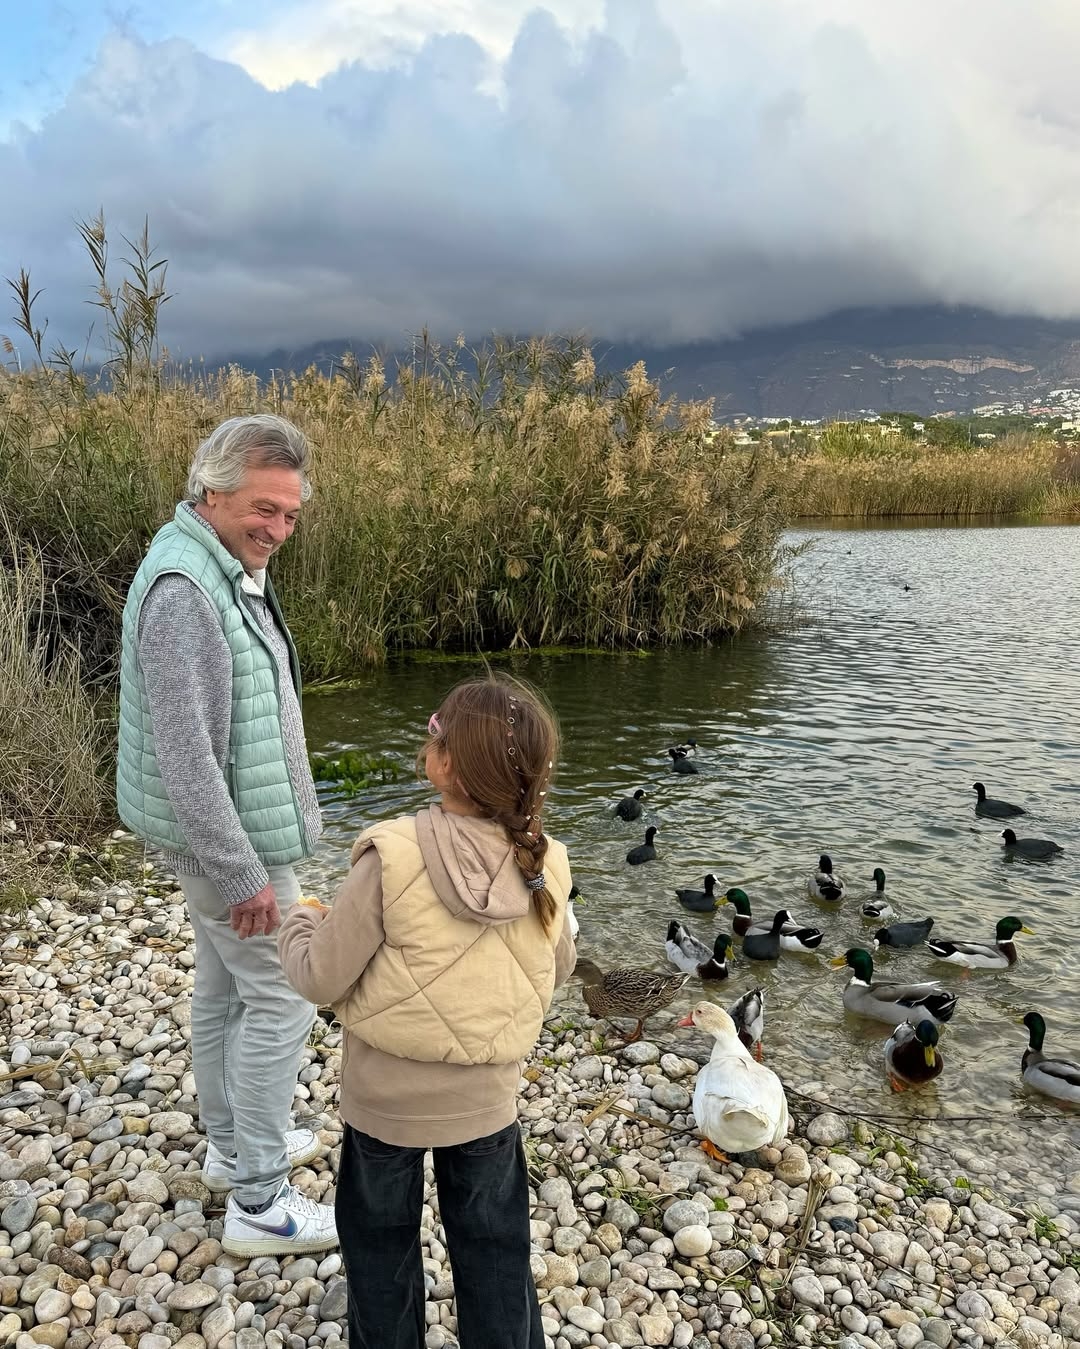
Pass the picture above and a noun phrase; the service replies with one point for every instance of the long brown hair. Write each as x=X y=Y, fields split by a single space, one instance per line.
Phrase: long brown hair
x=503 y=741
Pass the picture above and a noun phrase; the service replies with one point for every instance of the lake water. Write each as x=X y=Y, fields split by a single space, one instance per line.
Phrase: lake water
x=928 y=657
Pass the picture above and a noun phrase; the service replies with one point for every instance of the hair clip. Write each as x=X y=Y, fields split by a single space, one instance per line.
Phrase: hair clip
x=537 y=882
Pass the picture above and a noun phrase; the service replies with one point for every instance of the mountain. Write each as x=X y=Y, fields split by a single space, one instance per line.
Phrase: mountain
x=923 y=360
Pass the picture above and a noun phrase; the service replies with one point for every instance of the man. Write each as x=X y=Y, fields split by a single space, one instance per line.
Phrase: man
x=213 y=770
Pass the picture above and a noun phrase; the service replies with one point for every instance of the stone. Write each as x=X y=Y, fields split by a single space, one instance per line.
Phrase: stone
x=192 y=1296
x=586 y=1319
x=172 y=1123
x=1066 y=1287
x=889 y=1246
x=216 y=1325
x=640 y=1053
x=938 y=1331
x=587 y=1069
x=827 y=1129
x=595 y=1273
x=144 y=1253
x=938 y=1213
x=51 y=1305
x=853 y=1318
x=775 y=1213
x=656 y=1329
x=147 y=1187
x=560 y=1271
x=972 y=1304
x=18 y=1215
x=555 y=1191
x=684 y=1213
x=55 y=1335
x=619 y=1213
x=670 y=1096
x=794 y=1167
x=336 y=1300
x=808 y=1290
x=70 y=1262
x=693 y=1240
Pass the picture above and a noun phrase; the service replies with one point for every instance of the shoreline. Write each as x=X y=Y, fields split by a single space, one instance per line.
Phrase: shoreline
x=108 y=1237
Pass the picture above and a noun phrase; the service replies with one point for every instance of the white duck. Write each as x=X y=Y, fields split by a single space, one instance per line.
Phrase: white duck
x=739 y=1105
x=571 y=916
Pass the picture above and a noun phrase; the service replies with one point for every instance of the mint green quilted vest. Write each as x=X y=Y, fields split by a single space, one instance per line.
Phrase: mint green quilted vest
x=258 y=772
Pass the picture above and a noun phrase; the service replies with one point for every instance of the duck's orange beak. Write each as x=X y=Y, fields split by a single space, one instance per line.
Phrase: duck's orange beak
x=686 y=1021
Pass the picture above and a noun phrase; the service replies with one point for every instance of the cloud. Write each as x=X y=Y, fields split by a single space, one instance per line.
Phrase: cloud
x=682 y=169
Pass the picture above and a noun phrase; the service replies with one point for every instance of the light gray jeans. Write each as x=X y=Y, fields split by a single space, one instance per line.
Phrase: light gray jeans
x=248 y=1028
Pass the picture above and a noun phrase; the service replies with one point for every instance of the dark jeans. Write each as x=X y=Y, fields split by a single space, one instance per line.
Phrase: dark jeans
x=484 y=1204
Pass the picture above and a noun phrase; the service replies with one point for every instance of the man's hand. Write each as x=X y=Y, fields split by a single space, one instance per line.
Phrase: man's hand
x=256 y=916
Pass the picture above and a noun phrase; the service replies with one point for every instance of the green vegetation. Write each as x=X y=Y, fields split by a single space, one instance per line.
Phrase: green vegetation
x=353 y=770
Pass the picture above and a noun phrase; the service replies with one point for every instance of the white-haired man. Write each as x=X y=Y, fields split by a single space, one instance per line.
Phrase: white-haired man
x=213 y=770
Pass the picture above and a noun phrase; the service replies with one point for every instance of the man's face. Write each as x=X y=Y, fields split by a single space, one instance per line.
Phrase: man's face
x=255 y=520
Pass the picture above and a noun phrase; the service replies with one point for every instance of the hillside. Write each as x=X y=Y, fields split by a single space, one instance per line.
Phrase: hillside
x=922 y=360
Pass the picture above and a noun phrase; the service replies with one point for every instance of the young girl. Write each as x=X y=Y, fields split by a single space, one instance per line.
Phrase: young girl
x=440 y=956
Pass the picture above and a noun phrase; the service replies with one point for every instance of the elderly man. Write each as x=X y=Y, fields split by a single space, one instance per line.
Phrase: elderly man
x=213 y=770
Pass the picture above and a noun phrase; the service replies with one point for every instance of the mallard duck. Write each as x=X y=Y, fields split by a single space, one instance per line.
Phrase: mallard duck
x=630 y=807
x=1059 y=1078
x=764 y=943
x=700 y=901
x=1036 y=848
x=825 y=883
x=680 y=763
x=911 y=1056
x=904 y=934
x=633 y=993
x=893 y=1003
x=739 y=1105
x=748 y=1013
x=687 y=953
x=794 y=936
x=983 y=955
x=574 y=897
x=996 y=810
x=687 y=750
x=878 y=909
x=644 y=852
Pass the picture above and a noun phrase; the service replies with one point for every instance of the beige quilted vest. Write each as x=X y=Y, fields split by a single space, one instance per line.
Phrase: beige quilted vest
x=449 y=990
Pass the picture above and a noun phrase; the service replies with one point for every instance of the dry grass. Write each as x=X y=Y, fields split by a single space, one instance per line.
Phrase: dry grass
x=1018 y=475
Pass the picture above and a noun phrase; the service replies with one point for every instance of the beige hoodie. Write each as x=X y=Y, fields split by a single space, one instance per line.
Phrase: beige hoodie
x=324 y=953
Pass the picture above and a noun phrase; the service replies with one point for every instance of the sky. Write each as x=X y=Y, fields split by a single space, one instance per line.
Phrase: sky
x=647 y=170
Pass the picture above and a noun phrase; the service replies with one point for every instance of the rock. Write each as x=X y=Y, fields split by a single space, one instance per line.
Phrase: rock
x=889 y=1246
x=51 y=1305
x=693 y=1240
x=938 y=1331
x=827 y=1129
x=794 y=1167
x=172 y=1123
x=808 y=1290
x=619 y=1213
x=595 y=1273
x=853 y=1318
x=587 y=1069
x=586 y=1319
x=555 y=1191
x=336 y=1301
x=938 y=1213
x=684 y=1213
x=216 y=1325
x=18 y=1215
x=1066 y=1287
x=656 y=1329
x=192 y=1296
x=147 y=1187
x=188 y=1186
x=972 y=1304
x=670 y=1096
x=144 y=1253
x=640 y=1053
x=70 y=1262
x=54 y=1335
x=775 y=1213
x=560 y=1271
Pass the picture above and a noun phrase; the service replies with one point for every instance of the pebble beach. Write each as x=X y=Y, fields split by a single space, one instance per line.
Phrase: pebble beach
x=844 y=1236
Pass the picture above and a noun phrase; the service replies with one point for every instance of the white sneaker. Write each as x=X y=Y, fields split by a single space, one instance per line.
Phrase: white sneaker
x=219 y=1171
x=292 y=1224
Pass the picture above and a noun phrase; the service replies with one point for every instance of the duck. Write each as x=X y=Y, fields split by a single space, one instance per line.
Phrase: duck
x=878 y=909
x=904 y=934
x=687 y=750
x=1059 y=1078
x=793 y=935
x=574 y=897
x=627 y=992
x=700 y=901
x=996 y=810
x=983 y=955
x=630 y=807
x=687 y=953
x=911 y=1056
x=739 y=1104
x=644 y=852
x=824 y=883
x=748 y=1013
x=889 y=1002
x=764 y=943
x=680 y=763
x=1036 y=848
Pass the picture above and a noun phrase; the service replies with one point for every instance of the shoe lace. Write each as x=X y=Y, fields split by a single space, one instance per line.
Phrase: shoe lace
x=299 y=1202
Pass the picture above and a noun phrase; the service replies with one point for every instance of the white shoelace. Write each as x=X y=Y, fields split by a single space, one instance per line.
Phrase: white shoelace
x=294 y=1199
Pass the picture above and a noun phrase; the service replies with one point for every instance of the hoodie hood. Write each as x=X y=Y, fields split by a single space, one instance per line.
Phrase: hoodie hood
x=470 y=863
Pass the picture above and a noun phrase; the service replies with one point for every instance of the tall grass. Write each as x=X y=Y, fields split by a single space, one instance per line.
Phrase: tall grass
x=1018 y=475
x=55 y=736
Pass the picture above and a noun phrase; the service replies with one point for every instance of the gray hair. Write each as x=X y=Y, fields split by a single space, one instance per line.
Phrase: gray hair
x=262 y=440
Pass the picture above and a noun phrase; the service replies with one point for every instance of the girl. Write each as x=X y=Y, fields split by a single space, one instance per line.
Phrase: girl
x=440 y=956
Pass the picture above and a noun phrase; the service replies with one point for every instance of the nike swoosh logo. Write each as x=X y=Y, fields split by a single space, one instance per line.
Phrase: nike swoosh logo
x=286 y=1229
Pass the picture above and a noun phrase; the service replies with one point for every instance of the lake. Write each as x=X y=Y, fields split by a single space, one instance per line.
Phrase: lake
x=925 y=657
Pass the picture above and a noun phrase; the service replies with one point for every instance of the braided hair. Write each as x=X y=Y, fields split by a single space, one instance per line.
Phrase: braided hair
x=503 y=741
